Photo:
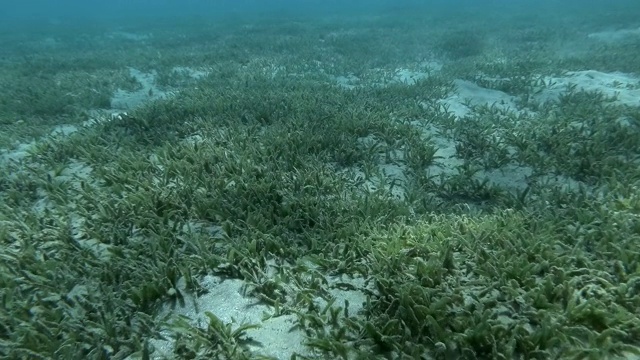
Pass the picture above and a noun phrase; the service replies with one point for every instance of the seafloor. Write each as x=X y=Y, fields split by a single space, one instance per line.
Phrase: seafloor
x=418 y=184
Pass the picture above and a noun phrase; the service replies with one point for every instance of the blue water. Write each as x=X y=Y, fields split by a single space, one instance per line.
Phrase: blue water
x=21 y=12
x=120 y=9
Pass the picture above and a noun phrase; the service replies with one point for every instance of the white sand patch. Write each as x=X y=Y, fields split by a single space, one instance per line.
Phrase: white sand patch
x=612 y=36
x=277 y=336
x=126 y=100
x=468 y=94
x=625 y=88
x=562 y=182
x=225 y=299
x=125 y=35
x=446 y=163
x=195 y=74
x=121 y=100
x=445 y=160
x=509 y=177
x=64 y=130
x=411 y=76
x=407 y=76
x=348 y=82
x=20 y=152
x=395 y=174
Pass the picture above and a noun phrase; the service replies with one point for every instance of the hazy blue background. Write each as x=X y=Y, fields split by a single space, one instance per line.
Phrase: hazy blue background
x=14 y=14
x=77 y=9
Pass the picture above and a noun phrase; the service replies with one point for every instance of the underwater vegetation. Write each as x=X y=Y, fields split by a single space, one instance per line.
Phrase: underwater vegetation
x=266 y=170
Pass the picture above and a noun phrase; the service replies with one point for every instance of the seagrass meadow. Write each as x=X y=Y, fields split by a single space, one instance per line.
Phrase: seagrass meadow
x=444 y=186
